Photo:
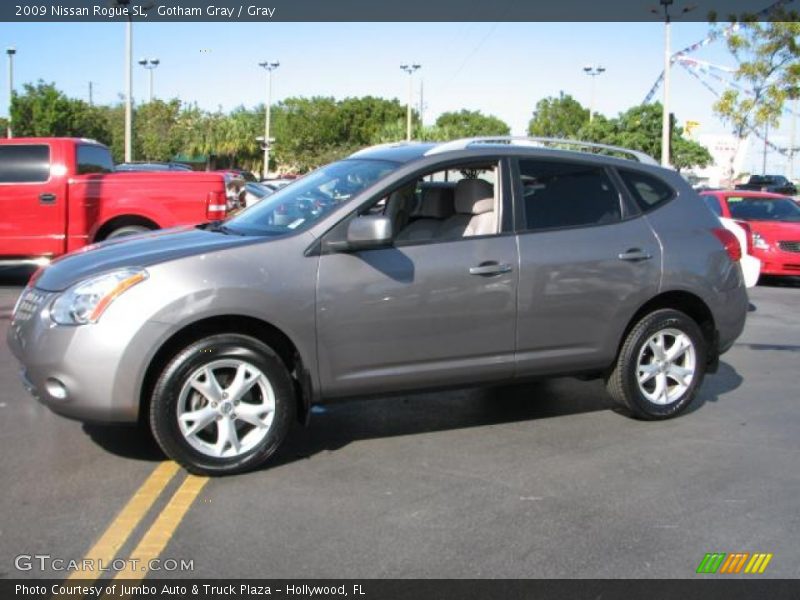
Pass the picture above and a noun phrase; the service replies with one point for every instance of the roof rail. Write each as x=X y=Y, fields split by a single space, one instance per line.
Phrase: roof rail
x=542 y=142
x=369 y=149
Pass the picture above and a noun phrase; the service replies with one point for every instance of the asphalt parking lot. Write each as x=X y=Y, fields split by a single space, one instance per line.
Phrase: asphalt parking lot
x=541 y=480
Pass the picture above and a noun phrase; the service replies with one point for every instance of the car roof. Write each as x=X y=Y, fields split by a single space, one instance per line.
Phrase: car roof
x=404 y=152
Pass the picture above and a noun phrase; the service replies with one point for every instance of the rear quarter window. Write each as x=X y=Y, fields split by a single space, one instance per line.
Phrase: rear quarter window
x=92 y=158
x=712 y=202
x=24 y=164
x=648 y=191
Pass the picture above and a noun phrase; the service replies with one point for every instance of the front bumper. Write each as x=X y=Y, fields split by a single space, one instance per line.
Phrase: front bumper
x=89 y=372
x=779 y=262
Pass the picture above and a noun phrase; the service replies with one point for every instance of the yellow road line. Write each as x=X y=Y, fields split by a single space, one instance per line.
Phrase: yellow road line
x=161 y=531
x=106 y=548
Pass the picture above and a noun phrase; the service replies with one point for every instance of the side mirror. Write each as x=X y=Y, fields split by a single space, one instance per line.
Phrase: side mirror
x=368 y=232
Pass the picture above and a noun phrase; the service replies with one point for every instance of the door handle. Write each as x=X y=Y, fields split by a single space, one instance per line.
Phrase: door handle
x=635 y=254
x=488 y=269
x=47 y=198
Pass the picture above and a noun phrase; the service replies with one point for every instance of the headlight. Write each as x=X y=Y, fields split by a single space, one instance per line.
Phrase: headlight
x=86 y=301
x=759 y=242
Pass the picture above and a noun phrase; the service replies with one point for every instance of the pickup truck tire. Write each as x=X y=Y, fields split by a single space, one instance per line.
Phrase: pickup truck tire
x=660 y=366
x=126 y=230
x=222 y=405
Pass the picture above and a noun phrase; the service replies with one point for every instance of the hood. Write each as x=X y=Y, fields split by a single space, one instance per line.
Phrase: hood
x=136 y=251
x=777 y=231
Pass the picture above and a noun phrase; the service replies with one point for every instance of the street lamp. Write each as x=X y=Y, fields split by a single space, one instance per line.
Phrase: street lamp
x=11 y=51
x=269 y=67
x=665 y=142
x=410 y=70
x=150 y=64
x=593 y=71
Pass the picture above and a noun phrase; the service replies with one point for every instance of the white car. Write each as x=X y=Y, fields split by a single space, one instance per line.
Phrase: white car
x=751 y=266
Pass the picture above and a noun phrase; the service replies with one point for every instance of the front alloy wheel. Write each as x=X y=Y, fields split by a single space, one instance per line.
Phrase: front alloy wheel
x=226 y=408
x=223 y=405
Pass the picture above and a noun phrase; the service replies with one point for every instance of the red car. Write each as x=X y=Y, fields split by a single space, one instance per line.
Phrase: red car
x=773 y=220
x=60 y=194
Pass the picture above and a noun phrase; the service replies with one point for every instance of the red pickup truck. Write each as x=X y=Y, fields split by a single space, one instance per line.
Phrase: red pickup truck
x=59 y=194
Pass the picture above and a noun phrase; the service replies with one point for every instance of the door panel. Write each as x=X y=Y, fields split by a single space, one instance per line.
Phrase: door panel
x=32 y=202
x=414 y=316
x=578 y=288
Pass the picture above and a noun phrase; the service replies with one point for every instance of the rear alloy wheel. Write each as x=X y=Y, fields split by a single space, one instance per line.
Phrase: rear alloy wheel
x=127 y=230
x=660 y=366
x=223 y=405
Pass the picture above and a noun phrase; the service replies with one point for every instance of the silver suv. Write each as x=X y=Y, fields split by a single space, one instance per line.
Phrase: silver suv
x=406 y=266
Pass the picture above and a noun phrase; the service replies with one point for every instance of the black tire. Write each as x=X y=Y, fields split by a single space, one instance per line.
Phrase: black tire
x=166 y=395
x=623 y=384
x=127 y=230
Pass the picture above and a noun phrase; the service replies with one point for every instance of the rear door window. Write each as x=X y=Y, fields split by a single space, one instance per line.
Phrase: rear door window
x=92 y=158
x=561 y=194
x=24 y=163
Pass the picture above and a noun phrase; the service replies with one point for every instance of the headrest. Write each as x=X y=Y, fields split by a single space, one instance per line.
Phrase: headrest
x=474 y=197
x=436 y=203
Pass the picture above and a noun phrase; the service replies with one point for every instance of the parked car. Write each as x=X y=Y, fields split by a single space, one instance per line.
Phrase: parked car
x=152 y=166
x=276 y=184
x=61 y=194
x=751 y=265
x=775 y=224
x=256 y=192
x=775 y=184
x=424 y=266
x=239 y=173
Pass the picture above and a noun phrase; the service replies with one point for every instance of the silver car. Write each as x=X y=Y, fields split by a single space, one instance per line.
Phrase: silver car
x=404 y=267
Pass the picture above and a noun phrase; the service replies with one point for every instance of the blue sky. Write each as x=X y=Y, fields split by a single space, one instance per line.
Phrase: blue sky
x=498 y=68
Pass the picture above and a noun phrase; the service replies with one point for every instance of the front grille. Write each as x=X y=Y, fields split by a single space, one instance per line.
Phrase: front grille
x=27 y=306
x=789 y=246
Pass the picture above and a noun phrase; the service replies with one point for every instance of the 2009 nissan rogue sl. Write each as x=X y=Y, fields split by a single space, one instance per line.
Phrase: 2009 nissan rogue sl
x=405 y=266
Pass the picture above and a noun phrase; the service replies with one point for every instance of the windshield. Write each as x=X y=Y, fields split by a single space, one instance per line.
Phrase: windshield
x=764 y=209
x=298 y=206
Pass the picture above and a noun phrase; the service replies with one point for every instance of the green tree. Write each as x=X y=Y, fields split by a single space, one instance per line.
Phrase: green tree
x=639 y=128
x=470 y=123
x=561 y=117
x=156 y=129
x=768 y=73
x=361 y=120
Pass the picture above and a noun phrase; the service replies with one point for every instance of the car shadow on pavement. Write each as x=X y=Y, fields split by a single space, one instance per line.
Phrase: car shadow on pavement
x=337 y=425
x=127 y=441
x=334 y=426
x=774 y=281
x=725 y=380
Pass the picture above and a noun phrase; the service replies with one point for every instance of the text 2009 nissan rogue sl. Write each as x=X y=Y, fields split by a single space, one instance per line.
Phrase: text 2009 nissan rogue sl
x=403 y=267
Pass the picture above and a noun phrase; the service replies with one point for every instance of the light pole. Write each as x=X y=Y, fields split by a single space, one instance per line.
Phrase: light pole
x=269 y=67
x=790 y=174
x=593 y=71
x=665 y=142
x=150 y=64
x=410 y=70
x=11 y=51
